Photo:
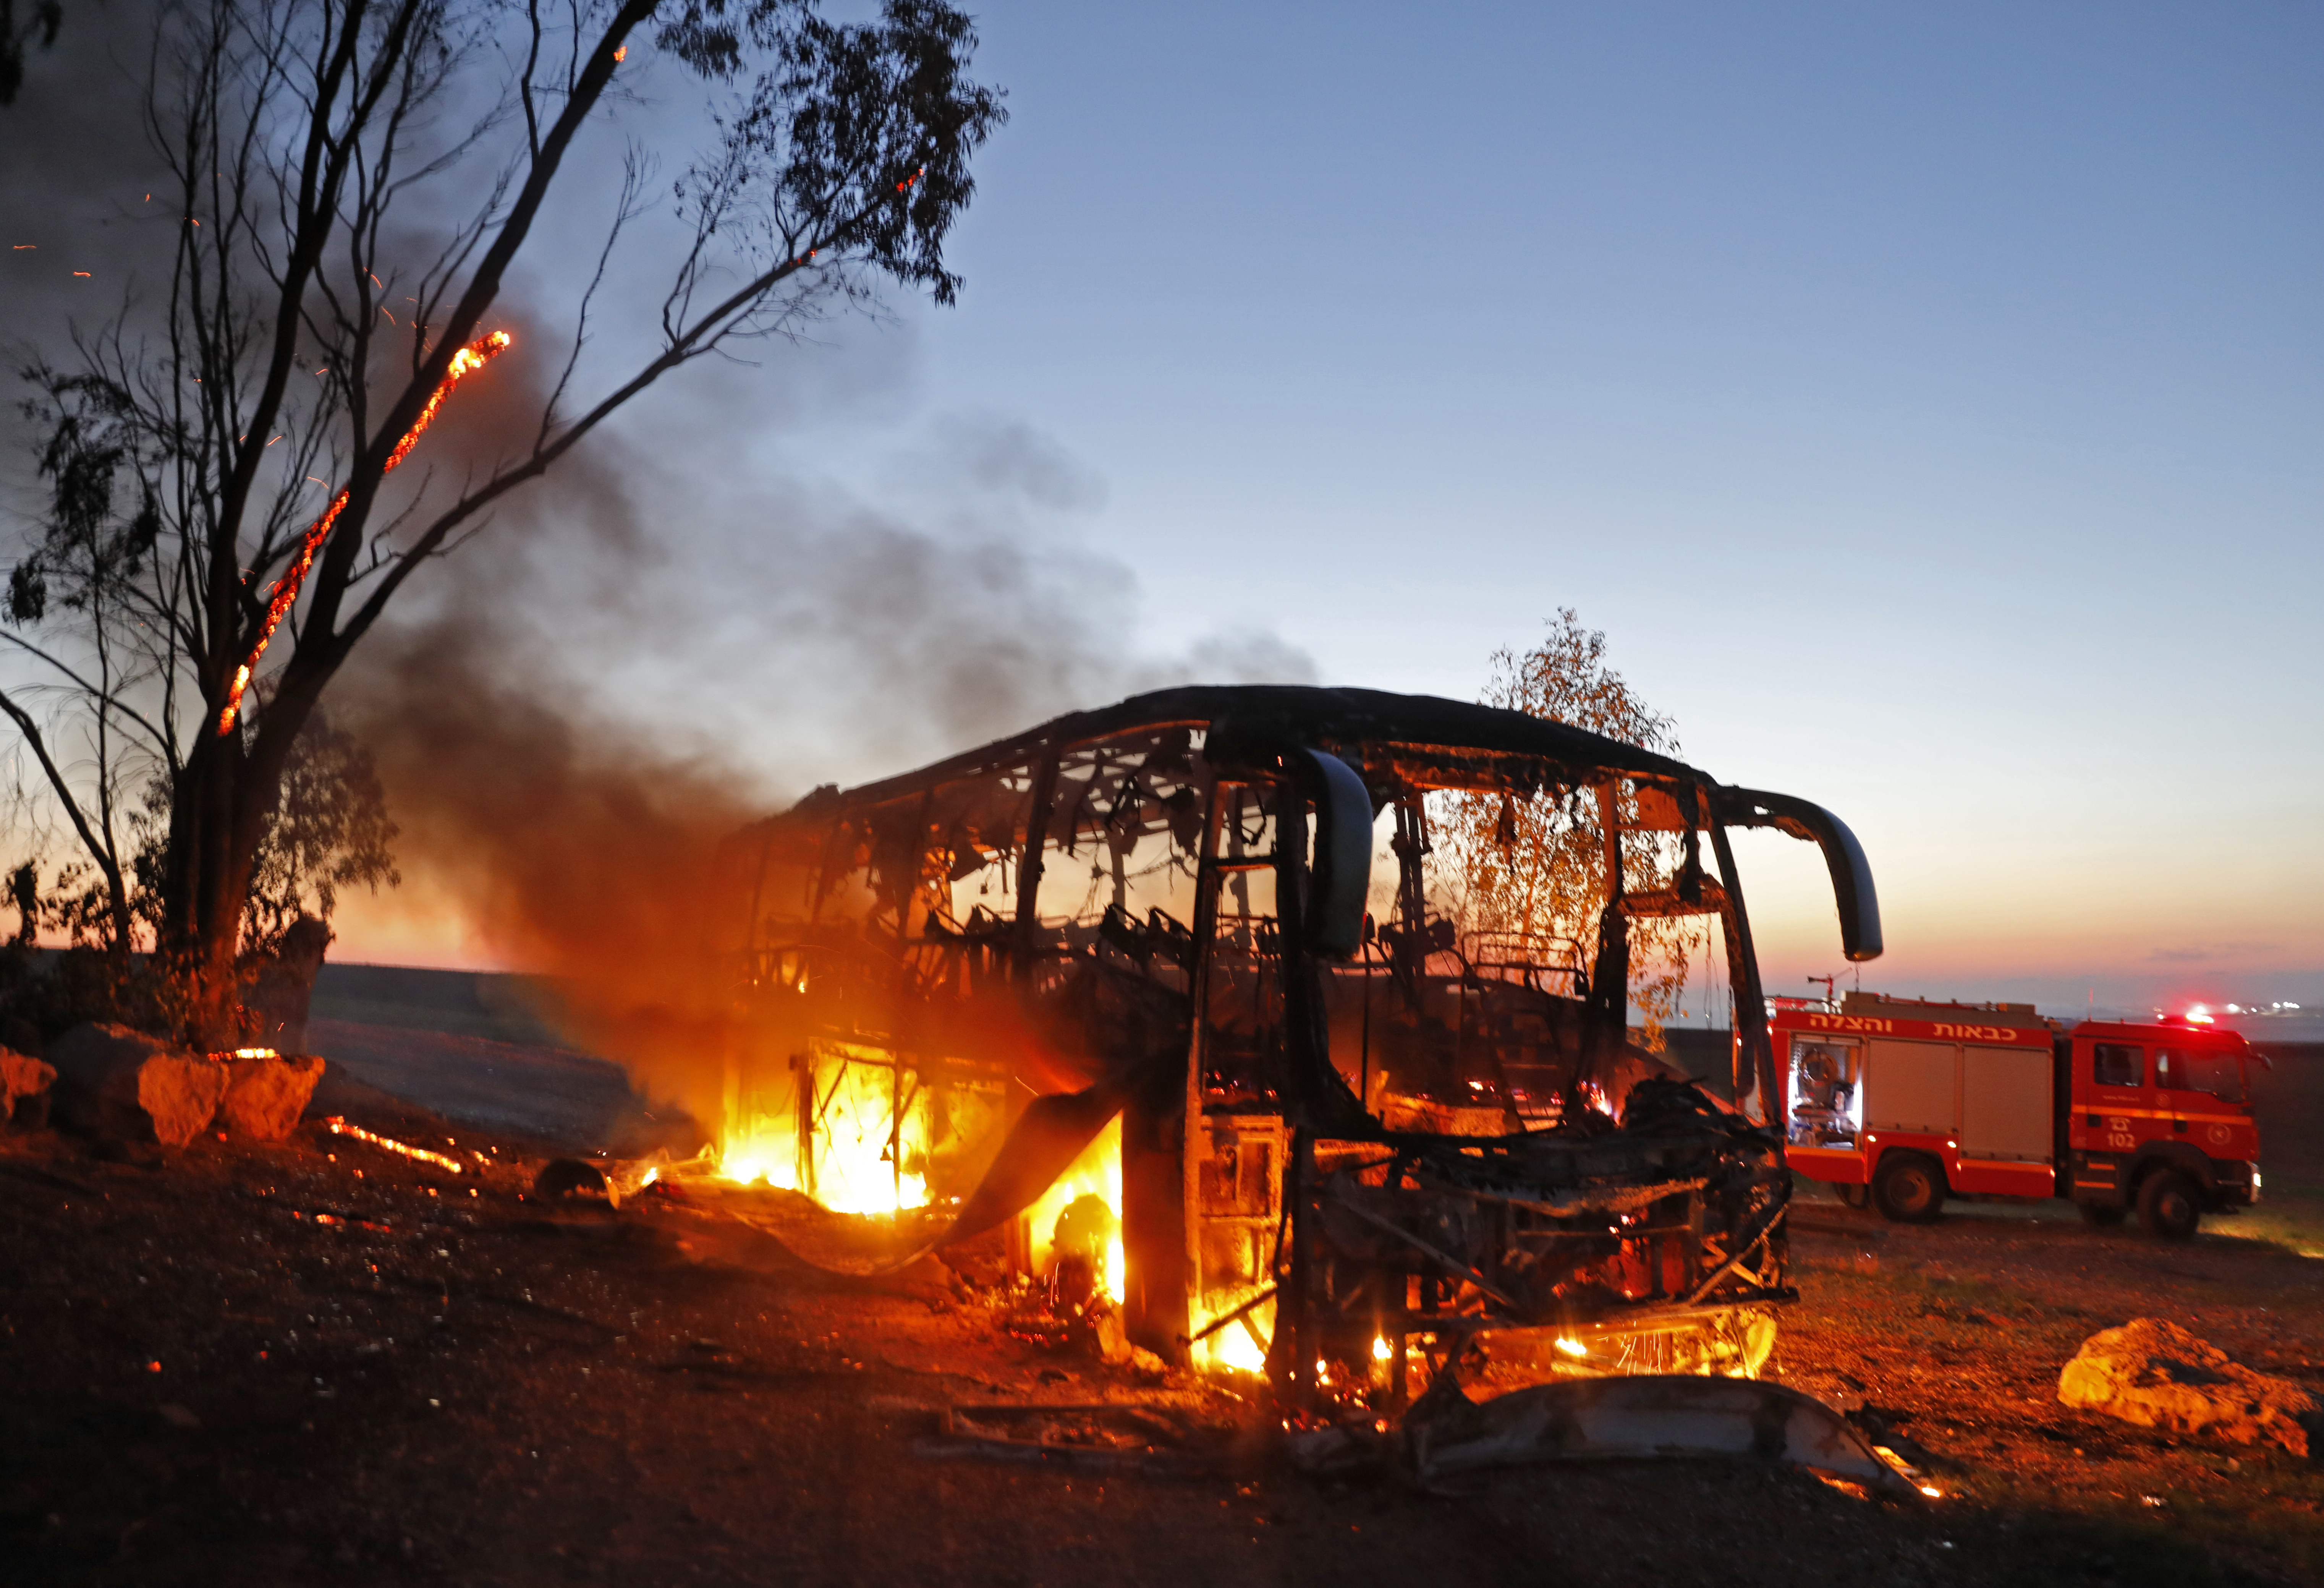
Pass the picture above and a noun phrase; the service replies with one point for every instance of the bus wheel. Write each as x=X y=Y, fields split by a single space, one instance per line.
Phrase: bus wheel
x=1909 y=1189
x=2104 y=1215
x=2167 y=1206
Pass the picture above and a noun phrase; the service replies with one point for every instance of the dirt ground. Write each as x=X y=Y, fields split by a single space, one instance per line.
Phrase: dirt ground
x=317 y=1361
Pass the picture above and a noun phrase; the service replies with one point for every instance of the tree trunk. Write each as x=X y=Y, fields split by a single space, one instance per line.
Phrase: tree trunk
x=218 y=814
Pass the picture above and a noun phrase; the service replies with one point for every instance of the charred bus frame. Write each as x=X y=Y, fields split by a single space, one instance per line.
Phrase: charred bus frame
x=1351 y=1136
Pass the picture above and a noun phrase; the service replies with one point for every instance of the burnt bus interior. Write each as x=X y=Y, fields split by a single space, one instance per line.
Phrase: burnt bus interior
x=1144 y=955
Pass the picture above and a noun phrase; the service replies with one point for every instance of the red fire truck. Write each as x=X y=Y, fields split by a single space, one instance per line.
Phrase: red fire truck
x=1904 y=1103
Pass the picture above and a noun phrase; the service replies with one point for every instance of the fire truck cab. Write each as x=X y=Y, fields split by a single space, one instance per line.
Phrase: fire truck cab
x=1904 y=1103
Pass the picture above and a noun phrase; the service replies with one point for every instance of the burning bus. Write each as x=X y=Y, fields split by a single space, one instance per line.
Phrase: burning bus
x=1170 y=992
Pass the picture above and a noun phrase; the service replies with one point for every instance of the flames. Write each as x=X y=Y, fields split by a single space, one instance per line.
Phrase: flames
x=866 y=1151
x=474 y=356
x=1097 y=1172
x=1236 y=1348
x=339 y=1127
x=872 y=1143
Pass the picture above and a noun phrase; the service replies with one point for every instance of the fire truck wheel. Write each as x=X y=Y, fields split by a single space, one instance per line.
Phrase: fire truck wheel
x=2102 y=1215
x=1909 y=1189
x=1855 y=1195
x=2167 y=1206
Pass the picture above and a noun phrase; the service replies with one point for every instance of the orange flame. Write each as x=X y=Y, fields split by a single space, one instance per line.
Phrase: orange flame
x=1096 y=1172
x=851 y=1166
x=474 y=356
x=339 y=1127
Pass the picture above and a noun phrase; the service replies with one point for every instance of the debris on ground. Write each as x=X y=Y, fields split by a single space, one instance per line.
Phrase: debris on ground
x=1650 y=1416
x=1112 y=1437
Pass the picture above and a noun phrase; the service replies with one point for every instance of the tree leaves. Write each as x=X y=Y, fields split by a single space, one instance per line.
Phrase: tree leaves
x=1537 y=866
x=330 y=830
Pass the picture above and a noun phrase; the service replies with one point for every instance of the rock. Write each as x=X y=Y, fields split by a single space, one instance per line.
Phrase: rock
x=179 y=1094
x=126 y=1083
x=2159 y=1376
x=571 y=1179
x=23 y=1088
x=266 y=1097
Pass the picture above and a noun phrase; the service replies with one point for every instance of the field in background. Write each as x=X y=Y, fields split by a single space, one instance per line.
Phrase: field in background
x=461 y=1004
x=482 y=1049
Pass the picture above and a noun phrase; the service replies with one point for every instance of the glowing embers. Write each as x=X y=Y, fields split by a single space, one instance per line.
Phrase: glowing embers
x=474 y=356
x=339 y=1127
x=1908 y=1471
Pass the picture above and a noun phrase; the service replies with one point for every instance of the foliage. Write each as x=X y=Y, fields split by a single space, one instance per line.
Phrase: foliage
x=350 y=185
x=330 y=831
x=1537 y=867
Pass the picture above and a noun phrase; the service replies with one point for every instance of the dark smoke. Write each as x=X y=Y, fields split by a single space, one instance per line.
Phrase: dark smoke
x=629 y=667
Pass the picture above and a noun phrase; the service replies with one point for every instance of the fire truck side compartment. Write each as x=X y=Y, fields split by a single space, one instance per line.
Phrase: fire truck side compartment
x=2010 y=1109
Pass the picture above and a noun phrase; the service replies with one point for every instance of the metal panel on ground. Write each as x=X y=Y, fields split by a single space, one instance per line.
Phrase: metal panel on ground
x=1911 y=1086
x=2006 y=1097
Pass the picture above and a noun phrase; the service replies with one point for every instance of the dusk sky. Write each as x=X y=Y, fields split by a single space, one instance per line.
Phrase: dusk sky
x=1925 y=401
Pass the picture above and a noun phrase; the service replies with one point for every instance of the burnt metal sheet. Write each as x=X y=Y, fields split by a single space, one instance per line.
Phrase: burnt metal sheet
x=1642 y=1417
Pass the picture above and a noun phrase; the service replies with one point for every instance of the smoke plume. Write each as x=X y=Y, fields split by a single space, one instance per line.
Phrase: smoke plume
x=581 y=704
